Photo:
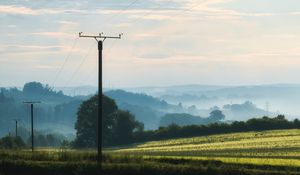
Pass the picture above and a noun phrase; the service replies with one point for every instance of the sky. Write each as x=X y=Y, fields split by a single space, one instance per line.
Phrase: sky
x=164 y=42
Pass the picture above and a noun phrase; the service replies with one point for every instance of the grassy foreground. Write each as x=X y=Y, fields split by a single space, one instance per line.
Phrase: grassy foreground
x=251 y=153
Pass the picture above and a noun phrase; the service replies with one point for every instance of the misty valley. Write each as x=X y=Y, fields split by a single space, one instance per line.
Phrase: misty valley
x=183 y=129
x=153 y=106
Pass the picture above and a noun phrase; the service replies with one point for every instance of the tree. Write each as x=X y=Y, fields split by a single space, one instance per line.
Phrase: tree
x=2 y=97
x=65 y=144
x=117 y=126
x=86 y=123
x=52 y=140
x=216 y=115
x=10 y=142
x=280 y=117
x=33 y=88
x=182 y=119
x=41 y=140
x=124 y=127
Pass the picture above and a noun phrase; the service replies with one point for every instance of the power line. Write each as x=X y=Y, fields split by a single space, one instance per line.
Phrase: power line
x=187 y=9
x=75 y=42
x=91 y=73
x=130 y=5
x=65 y=61
x=86 y=78
x=79 y=66
x=180 y=11
x=137 y=19
x=122 y=11
x=60 y=70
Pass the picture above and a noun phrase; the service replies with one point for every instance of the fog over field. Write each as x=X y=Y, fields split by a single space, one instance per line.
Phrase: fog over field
x=273 y=98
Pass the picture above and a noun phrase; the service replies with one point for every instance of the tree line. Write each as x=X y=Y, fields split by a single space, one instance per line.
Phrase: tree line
x=55 y=110
x=120 y=127
x=254 y=124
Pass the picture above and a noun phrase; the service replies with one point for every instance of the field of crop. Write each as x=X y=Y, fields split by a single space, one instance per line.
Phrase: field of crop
x=275 y=148
x=251 y=153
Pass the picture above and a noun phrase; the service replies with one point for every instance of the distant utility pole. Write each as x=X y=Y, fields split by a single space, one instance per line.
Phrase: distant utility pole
x=267 y=108
x=100 y=39
x=16 y=120
x=31 y=108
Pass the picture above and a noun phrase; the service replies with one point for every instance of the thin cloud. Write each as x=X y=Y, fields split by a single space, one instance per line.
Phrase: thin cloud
x=15 y=49
x=154 y=56
x=11 y=9
x=46 y=67
x=295 y=13
x=67 y=23
x=23 y=10
x=54 y=34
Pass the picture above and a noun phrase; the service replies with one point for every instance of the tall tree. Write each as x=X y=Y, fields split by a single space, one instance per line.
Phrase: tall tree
x=117 y=126
x=124 y=127
x=216 y=115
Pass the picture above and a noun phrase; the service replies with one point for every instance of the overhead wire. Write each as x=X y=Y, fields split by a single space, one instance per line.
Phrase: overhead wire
x=108 y=52
x=132 y=22
x=79 y=66
x=60 y=70
x=139 y=18
x=122 y=10
x=91 y=73
x=179 y=11
x=108 y=19
x=65 y=61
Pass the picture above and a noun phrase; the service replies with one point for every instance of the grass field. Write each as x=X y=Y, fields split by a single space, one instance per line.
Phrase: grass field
x=271 y=148
x=251 y=153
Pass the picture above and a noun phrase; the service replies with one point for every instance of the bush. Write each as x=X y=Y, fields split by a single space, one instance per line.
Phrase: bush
x=10 y=142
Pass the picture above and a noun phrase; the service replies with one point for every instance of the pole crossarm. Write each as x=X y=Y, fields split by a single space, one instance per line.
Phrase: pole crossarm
x=100 y=36
x=31 y=102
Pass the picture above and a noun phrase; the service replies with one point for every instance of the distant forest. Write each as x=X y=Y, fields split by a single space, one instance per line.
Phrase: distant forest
x=155 y=112
x=56 y=115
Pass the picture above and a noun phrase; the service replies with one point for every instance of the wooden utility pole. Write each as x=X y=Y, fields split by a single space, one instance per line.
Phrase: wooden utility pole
x=100 y=39
x=31 y=109
x=16 y=129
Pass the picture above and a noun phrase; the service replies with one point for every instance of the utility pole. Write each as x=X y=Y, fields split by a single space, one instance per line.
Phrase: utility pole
x=267 y=108
x=100 y=39
x=16 y=121
x=31 y=109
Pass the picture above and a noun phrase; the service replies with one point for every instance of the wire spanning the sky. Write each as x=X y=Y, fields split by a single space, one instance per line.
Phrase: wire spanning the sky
x=195 y=38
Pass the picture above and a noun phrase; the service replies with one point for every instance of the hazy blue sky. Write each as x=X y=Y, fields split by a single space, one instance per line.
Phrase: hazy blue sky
x=166 y=42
